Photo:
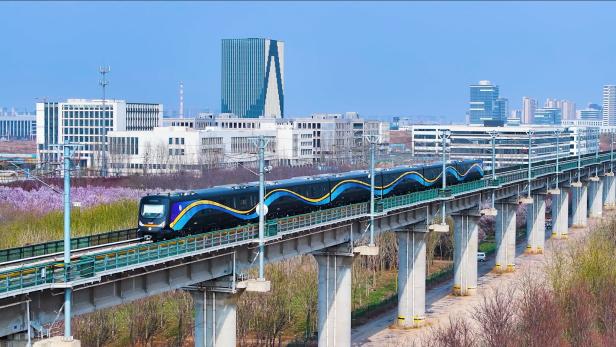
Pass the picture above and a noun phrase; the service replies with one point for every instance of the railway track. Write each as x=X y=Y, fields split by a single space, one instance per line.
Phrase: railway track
x=48 y=251
x=75 y=254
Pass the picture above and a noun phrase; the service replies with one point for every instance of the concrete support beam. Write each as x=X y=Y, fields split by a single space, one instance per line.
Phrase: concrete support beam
x=505 y=237
x=465 y=253
x=609 y=191
x=215 y=317
x=579 y=204
x=535 y=225
x=595 y=198
x=560 y=214
x=334 y=298
x=411 y=278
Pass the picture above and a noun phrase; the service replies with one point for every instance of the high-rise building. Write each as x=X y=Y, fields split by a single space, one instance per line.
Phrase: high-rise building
x=553 y=103
x=609 y=105
x=529 y=106
x=548 y=116
x=567 y=108
x=252 y=81
x=502 y=108
x=484 y=105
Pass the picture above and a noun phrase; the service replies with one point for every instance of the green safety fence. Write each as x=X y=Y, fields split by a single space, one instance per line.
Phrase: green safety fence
x=57 y=246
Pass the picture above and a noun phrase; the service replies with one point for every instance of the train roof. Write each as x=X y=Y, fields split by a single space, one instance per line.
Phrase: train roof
x=229 y=188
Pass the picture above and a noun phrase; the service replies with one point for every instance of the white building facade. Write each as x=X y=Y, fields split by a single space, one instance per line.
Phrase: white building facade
x=176 y=149
x=228 y=141
x=512 y=143
x=86 y=123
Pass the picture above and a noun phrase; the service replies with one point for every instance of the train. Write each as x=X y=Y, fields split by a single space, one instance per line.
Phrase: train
x=165 y=216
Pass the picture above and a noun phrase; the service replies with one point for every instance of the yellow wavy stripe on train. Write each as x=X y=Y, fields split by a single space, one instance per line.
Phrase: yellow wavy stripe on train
x=202 y=202
x=207 y=202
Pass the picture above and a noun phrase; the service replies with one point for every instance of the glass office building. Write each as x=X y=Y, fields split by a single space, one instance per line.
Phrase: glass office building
x=485 y=107
x=548 y=116
x=252 y=81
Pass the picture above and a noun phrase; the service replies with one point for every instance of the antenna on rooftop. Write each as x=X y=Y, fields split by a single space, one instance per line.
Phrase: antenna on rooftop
x=181 y=113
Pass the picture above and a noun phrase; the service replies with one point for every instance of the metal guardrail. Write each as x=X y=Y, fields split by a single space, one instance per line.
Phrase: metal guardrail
x=399 y=201
x=287 y=224
x=51 y=247
x=88 y=266
x=469 y=186
x=161 y=250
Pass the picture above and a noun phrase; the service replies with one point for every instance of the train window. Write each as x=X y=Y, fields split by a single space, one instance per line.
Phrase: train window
x=152 y=211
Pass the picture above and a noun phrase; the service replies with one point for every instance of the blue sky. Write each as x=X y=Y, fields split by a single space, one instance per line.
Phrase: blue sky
x=397 y=58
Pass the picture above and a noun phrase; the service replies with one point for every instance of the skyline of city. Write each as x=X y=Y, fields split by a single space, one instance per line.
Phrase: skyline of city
x=325 y=70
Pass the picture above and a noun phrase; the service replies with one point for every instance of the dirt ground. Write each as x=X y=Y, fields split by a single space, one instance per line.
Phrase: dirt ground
x=441 y=305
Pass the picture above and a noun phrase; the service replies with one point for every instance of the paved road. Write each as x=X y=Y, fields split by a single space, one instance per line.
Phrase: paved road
x=437 y=300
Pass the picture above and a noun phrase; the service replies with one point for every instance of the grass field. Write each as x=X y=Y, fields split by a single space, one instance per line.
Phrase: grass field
x=29 y=227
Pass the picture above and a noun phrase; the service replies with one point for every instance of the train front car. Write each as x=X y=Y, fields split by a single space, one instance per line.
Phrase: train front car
x=153 y=217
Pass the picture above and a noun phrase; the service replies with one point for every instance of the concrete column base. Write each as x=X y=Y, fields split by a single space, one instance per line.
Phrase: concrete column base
x=609 y=191
x=579 y=205
x=505 y=237
x=215 y=317
x=560 y=214
x=595 y=198
x=530 y=250
x=535 y=226
x=465 y=253
x=56 y=341
x=411 y=279
x=334 y=298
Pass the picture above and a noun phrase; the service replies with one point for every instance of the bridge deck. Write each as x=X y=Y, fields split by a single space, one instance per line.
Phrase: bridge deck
x=55 y=274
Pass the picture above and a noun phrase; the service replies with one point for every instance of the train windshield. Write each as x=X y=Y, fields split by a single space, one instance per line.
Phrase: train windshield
x=152 y=211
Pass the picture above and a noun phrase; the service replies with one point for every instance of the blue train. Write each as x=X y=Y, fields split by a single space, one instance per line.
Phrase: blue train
x=199 y=211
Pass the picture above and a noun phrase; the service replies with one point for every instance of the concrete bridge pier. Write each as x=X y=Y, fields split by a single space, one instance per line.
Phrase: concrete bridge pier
x=535 y=225
x=334 y=297
x=412 y=277
x=609 y=191
x=505 y=236
x=595 y=198
x=579 y=204
x=215 y=316
x=560 y=213
x=465 y=253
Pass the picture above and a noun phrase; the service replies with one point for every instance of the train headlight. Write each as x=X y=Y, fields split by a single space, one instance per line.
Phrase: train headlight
x=150 y=226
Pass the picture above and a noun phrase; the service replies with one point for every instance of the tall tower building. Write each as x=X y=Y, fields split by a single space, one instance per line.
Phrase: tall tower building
x=609 y=105
x=568 y=109
x=529 y=106
x=484 y=104
x=252 y=80
x=502 y=108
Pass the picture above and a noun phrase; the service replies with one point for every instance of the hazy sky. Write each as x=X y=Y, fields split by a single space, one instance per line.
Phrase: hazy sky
x=399 y=58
